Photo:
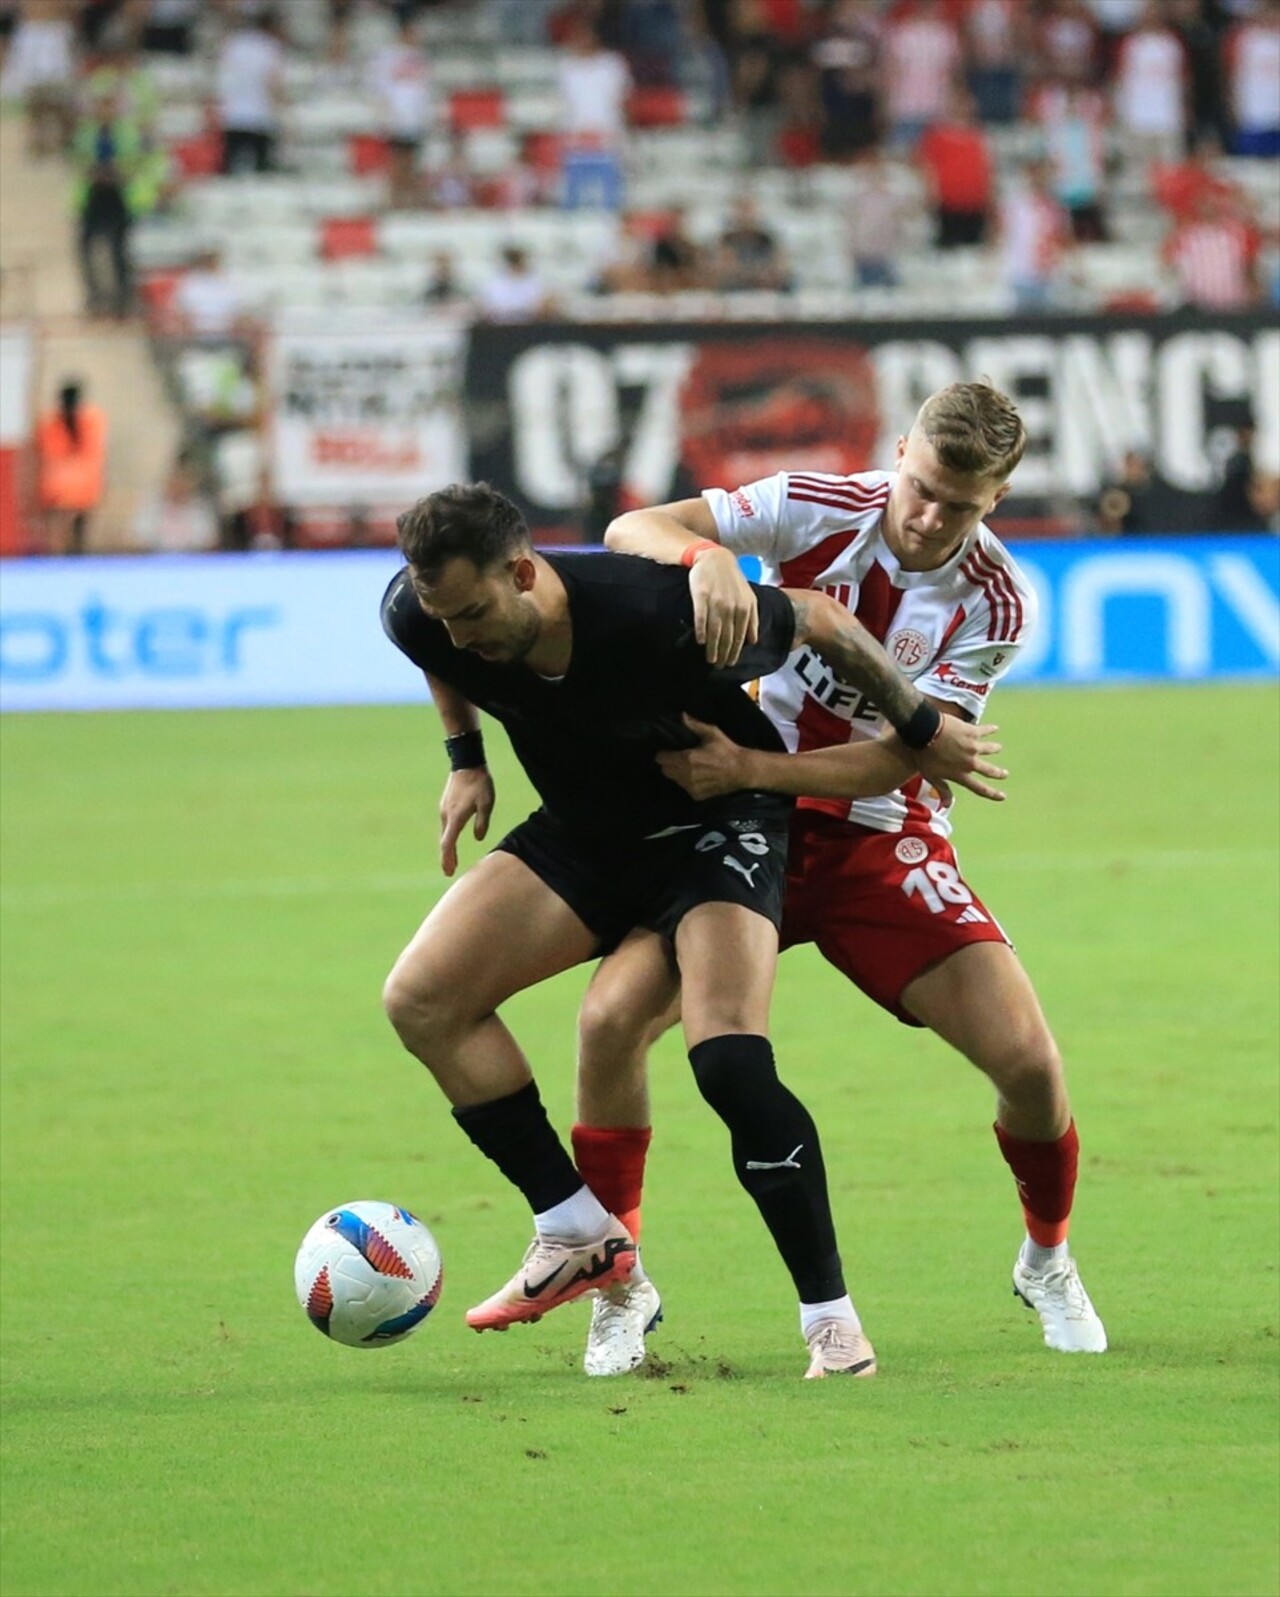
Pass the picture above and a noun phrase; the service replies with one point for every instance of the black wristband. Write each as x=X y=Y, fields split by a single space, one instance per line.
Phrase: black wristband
x=923 y=726
x=465 y=750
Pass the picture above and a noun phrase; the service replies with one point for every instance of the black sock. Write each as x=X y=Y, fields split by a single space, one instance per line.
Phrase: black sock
x=515 y=1133
x=769 y=1126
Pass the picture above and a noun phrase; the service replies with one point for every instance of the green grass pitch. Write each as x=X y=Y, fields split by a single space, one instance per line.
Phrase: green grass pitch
x=198 y=914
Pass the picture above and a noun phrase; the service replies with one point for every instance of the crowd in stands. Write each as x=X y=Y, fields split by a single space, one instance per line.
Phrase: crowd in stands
x=520 y=159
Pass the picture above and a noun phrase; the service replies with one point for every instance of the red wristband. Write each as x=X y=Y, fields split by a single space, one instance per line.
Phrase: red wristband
x=689 y=555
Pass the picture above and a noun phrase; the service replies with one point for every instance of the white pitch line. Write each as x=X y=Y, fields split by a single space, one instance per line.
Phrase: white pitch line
x=54 y=895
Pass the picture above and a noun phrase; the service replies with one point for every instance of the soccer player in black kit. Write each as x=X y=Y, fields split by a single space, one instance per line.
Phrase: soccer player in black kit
x=591 y=664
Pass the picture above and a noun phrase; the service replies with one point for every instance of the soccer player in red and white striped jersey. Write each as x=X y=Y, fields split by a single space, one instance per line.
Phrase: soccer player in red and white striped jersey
x=873 y=878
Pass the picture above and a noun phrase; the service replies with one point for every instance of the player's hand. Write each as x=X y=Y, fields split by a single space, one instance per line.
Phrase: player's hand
x=716 y=766
x=959 y=755
x=466 y=794
x=725 y=613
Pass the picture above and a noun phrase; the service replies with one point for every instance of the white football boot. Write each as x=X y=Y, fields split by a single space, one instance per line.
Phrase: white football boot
x=621 y=1318
x=1057 y=1294
x=838 y=1347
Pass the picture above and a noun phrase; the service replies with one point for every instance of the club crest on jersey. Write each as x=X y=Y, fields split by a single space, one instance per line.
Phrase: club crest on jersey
x=908 y=647
x=912 y=850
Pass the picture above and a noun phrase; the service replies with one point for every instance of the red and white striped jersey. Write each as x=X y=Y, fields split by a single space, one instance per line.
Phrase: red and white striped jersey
x=954 y=631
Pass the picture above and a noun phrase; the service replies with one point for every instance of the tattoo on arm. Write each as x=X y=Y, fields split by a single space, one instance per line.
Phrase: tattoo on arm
x=846 y=645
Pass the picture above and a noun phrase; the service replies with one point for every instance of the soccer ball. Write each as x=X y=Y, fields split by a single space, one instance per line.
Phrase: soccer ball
x=368 y=1274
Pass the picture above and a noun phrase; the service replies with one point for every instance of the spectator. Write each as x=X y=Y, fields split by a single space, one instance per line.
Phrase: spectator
x=676 y=263
x=400 y=82
x=169 y=28
x=955 y=159
x=748 y=256
x=594 y=85
x=1066 y=42
x=207 y=303
x=1253 y=67
x=1181 y=186
x=995 y=44
x=443 y=286
x=876 y=225
x=757 y=68
x=1073 y=116
x=71 y=453
x=40 y=70
x=178 y=518
x=111 y=161
x=250 y=84
x=123 y=75
x=652 y=40
x=515 y=292
x=1150 y=88
x=1214 y=253
x=627 y=266
x=1248 y=499
x=451 y=186
x=1034 y=233
x=922 y=58
x=847 y=58
x=1202 y=47
x=1138 y=500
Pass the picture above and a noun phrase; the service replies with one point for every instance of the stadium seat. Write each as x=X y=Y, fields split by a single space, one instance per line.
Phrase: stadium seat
x=198 y=156
x=477 y=108
x=368 y=155
x=347 y=237
x=657 y=106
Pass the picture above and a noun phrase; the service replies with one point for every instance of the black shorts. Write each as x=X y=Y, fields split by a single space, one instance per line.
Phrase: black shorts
x=737 y=856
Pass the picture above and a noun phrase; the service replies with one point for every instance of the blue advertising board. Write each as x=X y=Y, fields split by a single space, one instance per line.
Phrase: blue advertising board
x=190 y=631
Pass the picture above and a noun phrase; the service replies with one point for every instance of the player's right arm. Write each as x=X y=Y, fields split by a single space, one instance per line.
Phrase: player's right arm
x=725 y=614
x=468 y=792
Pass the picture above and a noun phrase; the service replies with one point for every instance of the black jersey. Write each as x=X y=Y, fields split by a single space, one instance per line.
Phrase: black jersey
x=587 y=740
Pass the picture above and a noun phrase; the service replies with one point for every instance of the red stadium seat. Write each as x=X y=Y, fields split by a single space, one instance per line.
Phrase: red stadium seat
x=477 y=108
x=657 y=106
x=368 y=155
x=198 y=156
x=344 y=238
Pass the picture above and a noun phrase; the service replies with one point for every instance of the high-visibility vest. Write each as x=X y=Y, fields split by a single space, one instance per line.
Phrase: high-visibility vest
x=72 y=470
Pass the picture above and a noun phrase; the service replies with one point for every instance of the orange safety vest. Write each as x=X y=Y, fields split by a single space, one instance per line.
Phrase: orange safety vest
x=72 y=471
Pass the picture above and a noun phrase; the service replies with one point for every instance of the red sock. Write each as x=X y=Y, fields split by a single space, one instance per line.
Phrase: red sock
x=1046 y=1177
x=610 y=1160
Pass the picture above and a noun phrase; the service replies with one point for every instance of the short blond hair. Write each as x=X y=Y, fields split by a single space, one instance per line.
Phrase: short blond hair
x=973 y=428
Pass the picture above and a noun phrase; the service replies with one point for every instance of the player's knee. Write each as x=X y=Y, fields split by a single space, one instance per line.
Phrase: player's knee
x=1026 y=1065
x=610 y=1029
x=419 y=1006
x=731 y=1068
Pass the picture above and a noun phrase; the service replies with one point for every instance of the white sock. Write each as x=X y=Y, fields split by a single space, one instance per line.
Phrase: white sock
x=581 y=1218
x=1037 y=1257
x=836 y=1309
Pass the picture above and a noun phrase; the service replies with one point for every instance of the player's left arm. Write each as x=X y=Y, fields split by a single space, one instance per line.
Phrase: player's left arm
x=716 y=765
x=469 y=793
x=942 y=746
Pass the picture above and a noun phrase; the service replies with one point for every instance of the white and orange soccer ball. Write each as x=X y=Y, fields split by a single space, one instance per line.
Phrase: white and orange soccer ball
x=368 y=1274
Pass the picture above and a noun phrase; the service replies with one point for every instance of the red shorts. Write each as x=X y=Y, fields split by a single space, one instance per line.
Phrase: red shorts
x=881 y=906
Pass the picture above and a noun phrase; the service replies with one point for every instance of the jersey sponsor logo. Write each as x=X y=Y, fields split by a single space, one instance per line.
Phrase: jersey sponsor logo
x=829 y=691
x=911 y=850
x=946 y=672
x=745 y=507
x=989 y=668
x=908 y=647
